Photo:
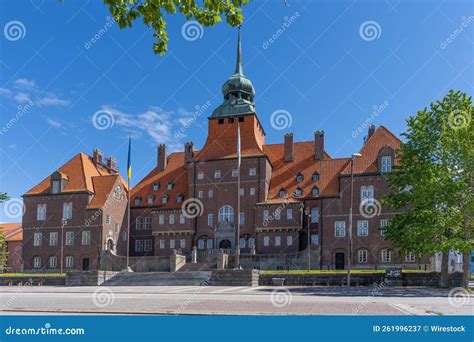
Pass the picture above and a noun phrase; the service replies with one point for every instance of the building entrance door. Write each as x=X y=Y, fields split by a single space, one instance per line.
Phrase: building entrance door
x=85 y=264
x=339 y=261
x=225 y=244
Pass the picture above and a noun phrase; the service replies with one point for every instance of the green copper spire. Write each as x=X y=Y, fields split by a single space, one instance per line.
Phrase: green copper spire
x=238 y=65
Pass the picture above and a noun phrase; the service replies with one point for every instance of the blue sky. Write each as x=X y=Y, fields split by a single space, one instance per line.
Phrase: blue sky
x=323 y=64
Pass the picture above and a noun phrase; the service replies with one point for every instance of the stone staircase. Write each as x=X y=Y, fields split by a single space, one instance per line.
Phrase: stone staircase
x=189 y=278
x=200 y=266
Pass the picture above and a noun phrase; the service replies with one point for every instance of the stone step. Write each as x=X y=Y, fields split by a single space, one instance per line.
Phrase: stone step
x=159 y=279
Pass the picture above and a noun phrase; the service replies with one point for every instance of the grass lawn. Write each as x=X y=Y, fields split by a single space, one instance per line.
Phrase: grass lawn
x=29 y=275
x=302 y=272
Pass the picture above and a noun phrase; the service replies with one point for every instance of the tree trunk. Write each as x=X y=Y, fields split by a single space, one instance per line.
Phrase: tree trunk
x=465 y=268
x=443 y=281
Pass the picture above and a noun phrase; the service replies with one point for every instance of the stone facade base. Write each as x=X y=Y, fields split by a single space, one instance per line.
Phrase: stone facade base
x=88 y=278
x=235 y=278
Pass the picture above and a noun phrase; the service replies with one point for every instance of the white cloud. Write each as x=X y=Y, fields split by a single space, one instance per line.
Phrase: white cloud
x=51 y=100
x=25 y=90
x=21 y=97
x=6 y=92
x=54 y=123
x=23 y=83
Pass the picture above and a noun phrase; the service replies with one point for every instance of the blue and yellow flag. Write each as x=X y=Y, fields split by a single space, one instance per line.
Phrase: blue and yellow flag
x=129 y=164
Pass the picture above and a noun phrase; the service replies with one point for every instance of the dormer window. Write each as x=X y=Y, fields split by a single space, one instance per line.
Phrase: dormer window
x=138 y=200
x=298 y=192
x=56 y=188
x=386 y=164
x=156 y=186
x=180 y=198
x=299 y=178
x=221 y=121
x=282 y=193
x=151 y=199
x=165 y=199
x=315 y=177
x=315 y=191
x=170 y=185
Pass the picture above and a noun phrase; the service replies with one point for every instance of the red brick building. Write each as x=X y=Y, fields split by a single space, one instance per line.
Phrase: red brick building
x=13 y=234
x=76 y=212
x=290 y=192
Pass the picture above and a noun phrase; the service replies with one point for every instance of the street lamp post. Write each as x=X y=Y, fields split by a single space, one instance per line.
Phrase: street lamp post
x=63 y=223
x=351 y=200
x=308 y=217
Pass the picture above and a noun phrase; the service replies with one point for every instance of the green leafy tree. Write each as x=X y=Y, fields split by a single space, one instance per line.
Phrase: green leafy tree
x=3 y=197
x=3 y=252
x=433 y=183
x=153 y=14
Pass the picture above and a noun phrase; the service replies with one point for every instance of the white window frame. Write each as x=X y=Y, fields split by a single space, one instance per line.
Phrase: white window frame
x=67 y=211
x=56 y=187
x=161 y=219
x=171 y=219
x=235 y=173
x=107 y=219
x=266 y=214
x=210 y=220
x=200 y=175
x=172 y=244
x=410 y=257
x=226 y=212
x=41 y=212
x=383 y=224
x=53 y=262
x=386 y=164
x=69 y=238
x=69 y=261
x=86 y=237
x=252 y=171
x=289 y=240
x=277 y=214
x=278 y=241
x=363 y=228
x=139 y=223
x=37 y=262
x=217 y=174
x=289 y=214
x=210 y=193
x=266 y=241
x=340 y=229
x=315 y=215
x=182 y=219
x=242 y=218
x=252 y=191
x=367 y=193
x=139 y=245
x=148 y=223
x=362 y=256
x=200 y=194
x=53 y=238
x=182 y=243
x=148 y=245
x=162 y=244
x=386 y=255
x=37 y=239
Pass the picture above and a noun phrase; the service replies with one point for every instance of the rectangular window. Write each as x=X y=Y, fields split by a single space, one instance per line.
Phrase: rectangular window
x=86 y=237
x=37 y=262
x=182 y=219
x=148 y=222
x=367 y=193
x=315 y=215
x=116 y=228
x=162 y=244
x=56 y=187
x=289 y=240
x=53 y=238
x=171 y=219
x=41 y=212
x=69 y=238
x=139 y=223
x=277 y=241
x=200 y=175
x=362 y=256
x=138 y=245
x=148 y=245
x=37 y=239
x=252 y=191
x=289 y=214
x=172 y=244
x=200 y=194
x=210 y=220
x=383 y=225
x=252 y=171
x=210 y=193
x=277 y=214
x=209 y=244
x=53 y=262
x=242 y=219
x=340 y=229
x=410 y=257
x=235 y=173
x=314 y=239
x=69 y=261
x=182 y=243
x=266 y=241
x=265 y=215
x=124 y=235
x=386 y=255
x=67 y=211
x=107 y=219
x=386 y=164
x=161 y=219
x=217 y=174
x=242 y=191
x=363 y=228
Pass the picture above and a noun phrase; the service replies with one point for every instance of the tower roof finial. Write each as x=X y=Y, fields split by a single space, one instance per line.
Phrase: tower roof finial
x=238 y=66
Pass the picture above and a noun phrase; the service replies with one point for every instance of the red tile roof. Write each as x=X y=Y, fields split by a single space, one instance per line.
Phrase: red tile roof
x=83 y=174
x=12 y=231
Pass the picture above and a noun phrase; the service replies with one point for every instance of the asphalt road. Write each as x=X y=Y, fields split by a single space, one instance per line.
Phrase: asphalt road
x=205 y=300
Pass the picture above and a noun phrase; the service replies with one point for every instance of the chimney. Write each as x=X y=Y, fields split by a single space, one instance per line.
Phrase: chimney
x=371 y=132
x=319 y=145
x=112 y=163
x=289 y=147
x=97 y=157
x=161 y=158
x=188 y=151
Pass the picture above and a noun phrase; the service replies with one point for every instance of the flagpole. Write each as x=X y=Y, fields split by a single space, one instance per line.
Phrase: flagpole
x=128 y=202
x=237 y=256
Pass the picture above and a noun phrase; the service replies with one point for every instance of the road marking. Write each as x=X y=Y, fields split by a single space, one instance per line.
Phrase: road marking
x=182 y=289
x=230 y=289
x=408 y=309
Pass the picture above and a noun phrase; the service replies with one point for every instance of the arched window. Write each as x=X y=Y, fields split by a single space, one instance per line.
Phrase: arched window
x=156 y=186
x=315 y=191
x=180 y=198
x=315 y=177
x=170 y=185
x=151 y=199
x=282 y=193
x=226 y=214
x=200 y=244
x=138 y=200
x=299 y=178
x=298 y=192
x=165 y=199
